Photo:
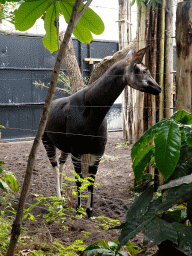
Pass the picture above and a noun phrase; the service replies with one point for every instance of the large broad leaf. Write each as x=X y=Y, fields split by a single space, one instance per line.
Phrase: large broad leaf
x=159 y=230
x=11 y=180
x=82 y=33
x=141 y=161
x=132 y=228
x=139 y=207
x=29 y=12
x=176 y=195
x=167 y=148
x=183 y=117
x=188 y=135
x=92 y=21
x=50 y=39
x=175 y=183
x=145 y=139
x=184 y=237
x=4 y=185
x=185 y=153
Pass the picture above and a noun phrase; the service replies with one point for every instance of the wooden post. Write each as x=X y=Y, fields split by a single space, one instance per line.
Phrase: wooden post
x=184 y=55
x=141 y=30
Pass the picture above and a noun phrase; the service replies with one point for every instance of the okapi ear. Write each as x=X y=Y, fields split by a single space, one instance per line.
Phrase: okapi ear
x=131 y=52
x=138 y=56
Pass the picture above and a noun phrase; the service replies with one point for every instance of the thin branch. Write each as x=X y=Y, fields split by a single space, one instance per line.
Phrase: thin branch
x=79 y=15
x=16 y=227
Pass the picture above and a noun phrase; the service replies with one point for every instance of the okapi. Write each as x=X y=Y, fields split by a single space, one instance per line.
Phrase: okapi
x=77 y=124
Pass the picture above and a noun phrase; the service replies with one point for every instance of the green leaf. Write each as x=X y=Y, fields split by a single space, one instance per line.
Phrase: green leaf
x=173 y=216
x=4 y=185
x=145 y=139
x=80 y=32
x=184 y=237
x=157 y=231
x=11 y=180
x=180 y=181
x=141 y=161
x=183 y=117
x=167 y=148
x=139 y=207
x=92 y=21
x=176 y=195
x=50 y=38
x=188 y=135
x=132 y=228
x=2 y=162
x=2 y=127
x=29 y=12
x=185 y=153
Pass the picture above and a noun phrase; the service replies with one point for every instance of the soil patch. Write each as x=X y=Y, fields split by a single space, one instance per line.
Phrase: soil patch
x=111 y=196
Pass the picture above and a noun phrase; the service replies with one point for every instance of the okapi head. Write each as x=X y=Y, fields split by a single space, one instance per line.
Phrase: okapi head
x=137 y=75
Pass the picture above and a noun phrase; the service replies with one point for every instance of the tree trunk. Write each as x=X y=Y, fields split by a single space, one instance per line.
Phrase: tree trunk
x=184 y=53
x=16 y=227
x=72 y=66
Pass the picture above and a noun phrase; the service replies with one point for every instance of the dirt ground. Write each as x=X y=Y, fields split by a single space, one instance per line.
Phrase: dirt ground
x=111 y=197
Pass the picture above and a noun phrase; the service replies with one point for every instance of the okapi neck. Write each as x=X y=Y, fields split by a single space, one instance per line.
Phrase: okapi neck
x=105 y=90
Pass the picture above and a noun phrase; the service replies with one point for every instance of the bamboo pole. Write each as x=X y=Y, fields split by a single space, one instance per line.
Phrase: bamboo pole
x=162 y=57
x=169 y=59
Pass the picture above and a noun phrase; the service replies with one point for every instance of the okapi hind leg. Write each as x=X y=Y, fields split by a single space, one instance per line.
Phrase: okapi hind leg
x=62 y=160
x=51 y=153
x=77 y=166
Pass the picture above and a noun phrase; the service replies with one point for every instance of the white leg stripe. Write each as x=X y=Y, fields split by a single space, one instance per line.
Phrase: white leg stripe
x=89 y=200
x=56 y=174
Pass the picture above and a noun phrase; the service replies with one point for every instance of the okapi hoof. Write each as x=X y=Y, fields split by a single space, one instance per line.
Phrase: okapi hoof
x=90 y=213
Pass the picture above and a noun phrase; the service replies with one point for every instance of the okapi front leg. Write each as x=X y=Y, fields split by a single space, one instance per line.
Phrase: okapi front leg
x=91 y=179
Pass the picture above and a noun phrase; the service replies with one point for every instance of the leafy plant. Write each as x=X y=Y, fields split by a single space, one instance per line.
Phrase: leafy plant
x=63 y=80
x=150 y=3
x=123 y=144
x=171 y=153
x=8 y=180
x=104 y=247
x=5 y=227
x=108 y=158
x=159 y=218
x=29 y=11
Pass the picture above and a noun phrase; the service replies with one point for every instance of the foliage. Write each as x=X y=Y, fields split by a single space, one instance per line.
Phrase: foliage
x=7 y=11
x=29 y=11
x=104 y=247
x=63 y=80
x=108 y=158
x=171 y=153
x=8 y=180
x=123 y=144
x=5 y=226
x=150 y=3
x=158 y=219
